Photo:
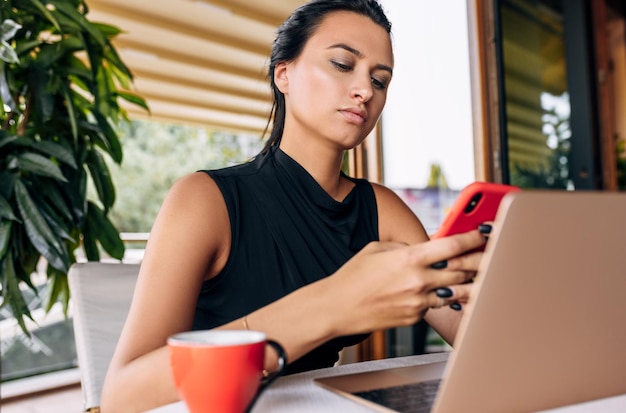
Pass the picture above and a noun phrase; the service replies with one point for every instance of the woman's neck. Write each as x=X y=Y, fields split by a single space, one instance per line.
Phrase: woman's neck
x=323 y=164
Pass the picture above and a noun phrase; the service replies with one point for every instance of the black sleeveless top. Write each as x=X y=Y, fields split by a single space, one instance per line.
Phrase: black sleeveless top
x=287 y=232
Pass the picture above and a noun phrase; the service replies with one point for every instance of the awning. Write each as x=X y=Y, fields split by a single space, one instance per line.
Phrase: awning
x=198 y=61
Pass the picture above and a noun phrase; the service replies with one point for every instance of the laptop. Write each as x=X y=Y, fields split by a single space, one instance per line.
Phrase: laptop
x=545 y=325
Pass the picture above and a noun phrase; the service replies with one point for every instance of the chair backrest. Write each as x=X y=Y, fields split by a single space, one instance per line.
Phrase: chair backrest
x=101 y=296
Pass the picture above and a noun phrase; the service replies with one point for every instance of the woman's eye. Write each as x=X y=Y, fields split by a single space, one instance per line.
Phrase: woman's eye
x=341 y=66
x=379 y=84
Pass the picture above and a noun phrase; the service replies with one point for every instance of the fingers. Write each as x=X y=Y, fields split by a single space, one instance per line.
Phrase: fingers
x=485 y=228
x=440 y=302
x=442 y=249
x=452 y=296
x=442 y=293
x=452 y=288
x=456 y=269
x=467 y=262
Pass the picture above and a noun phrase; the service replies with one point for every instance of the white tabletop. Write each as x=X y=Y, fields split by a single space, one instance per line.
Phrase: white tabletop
x=299 y=393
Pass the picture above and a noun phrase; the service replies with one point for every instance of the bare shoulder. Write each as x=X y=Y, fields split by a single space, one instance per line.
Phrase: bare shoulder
x=396 y=221
x=196 y=186
x=192 y=228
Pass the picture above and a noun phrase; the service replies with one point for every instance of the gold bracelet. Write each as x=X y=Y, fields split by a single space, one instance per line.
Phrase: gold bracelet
x=244 y=320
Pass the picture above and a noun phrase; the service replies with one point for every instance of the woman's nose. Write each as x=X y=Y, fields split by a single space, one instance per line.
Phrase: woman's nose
x=362 y=90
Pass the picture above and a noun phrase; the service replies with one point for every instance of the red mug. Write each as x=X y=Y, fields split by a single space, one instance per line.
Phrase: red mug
x=221 y=370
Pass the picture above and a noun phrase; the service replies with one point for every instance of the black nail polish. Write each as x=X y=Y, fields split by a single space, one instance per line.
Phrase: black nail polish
x=443 y=292
x=456 y=306
x=439 y=265
x=485 y=228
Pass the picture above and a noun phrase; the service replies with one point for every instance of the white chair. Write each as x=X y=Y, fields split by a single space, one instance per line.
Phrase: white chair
x=101 y=296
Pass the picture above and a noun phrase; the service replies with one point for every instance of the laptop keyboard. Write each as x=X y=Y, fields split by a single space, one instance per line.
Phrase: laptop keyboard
x=409 y=398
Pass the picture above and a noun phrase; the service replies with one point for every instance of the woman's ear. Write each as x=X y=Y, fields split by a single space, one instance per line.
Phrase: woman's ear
x=281 y=76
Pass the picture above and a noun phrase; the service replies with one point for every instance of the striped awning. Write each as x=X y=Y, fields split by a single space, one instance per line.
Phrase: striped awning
x=198 y=61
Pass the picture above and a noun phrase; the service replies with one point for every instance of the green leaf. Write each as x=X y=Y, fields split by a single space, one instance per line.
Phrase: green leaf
x=71 y=112
x=57 y=151
x=7 y=183
x=5 y=237
x=134 y=99
x=82 y=105
x=54 y=197
x=107 y=29
x=72 y=13
x=67 y=24
x=90 y=245
x=26 y=46
x=39 y=165
x=5 y=209
x=58 y=225
x=80 y=192
x=101 y=177
x=50 y=148
x=12 y=293
x=75 y=190
x=39 y=81
x=110 y=54
x=105 y=232
x=7 y=140
x=51 y=53
x=43 y=10
x=122 y=77
x=37 y=229
x=77 y=69
x=94 y=54
x=58 y=289
x=110 y=139
x=105 y=89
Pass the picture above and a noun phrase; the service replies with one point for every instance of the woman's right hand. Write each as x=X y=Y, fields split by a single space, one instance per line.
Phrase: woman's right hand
x=390 y=284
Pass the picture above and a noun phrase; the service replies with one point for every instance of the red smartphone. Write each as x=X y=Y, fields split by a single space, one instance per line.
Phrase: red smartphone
x=477 y=203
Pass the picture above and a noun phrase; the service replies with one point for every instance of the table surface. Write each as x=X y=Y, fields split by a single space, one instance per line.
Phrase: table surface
x=299 y=393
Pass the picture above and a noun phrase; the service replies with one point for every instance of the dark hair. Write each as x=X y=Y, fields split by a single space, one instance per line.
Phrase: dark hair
x=291 y=37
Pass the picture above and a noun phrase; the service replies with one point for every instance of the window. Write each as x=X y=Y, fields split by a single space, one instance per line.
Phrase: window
x=536 y=96
x=548 y=95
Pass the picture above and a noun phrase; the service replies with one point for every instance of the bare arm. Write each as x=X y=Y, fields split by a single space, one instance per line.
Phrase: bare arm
x=179 y=256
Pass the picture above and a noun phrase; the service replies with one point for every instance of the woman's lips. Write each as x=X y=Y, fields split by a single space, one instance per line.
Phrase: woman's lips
x=356 y=116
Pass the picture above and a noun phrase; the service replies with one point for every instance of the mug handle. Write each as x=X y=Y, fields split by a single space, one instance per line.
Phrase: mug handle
x=282 y=366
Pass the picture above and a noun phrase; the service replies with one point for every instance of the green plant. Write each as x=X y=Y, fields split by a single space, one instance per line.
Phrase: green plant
x=60 y=82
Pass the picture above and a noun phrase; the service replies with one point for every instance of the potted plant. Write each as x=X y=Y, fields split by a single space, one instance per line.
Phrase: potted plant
x=61 y=82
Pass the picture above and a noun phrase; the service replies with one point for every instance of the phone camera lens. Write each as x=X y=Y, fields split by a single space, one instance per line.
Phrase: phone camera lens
x=473 y=202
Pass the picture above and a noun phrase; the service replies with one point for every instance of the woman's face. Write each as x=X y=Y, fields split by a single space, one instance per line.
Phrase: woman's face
x=336 y=89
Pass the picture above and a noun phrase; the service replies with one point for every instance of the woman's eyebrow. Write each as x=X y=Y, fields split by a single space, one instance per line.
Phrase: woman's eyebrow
x=359 y=55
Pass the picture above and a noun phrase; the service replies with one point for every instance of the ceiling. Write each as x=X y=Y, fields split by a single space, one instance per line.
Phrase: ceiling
x=198 y=61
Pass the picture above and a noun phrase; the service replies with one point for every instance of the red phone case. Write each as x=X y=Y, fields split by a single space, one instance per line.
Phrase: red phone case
x=477 y=203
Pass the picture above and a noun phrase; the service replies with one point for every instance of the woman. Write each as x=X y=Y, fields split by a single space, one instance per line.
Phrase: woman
x=287 y=244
